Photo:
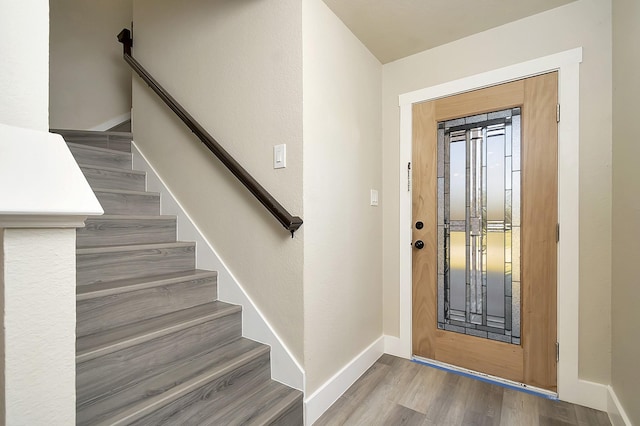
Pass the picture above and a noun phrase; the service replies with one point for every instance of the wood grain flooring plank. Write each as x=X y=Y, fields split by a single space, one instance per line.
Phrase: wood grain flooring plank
x=91 y=156
x=91 y=291
x=292 y=417
x=590 y=417
x=339 y=412
x=557 y=411
x=449 y=406
x=111 y=230
x=110 y=178
x=401 y=374
x=116 y=263
x=387 y=359
x=420 y=392
x=484 y=407
x=103 y=375
x=103 y=313
x=452 y=400
x=519 y=408
x=372 y=411
x=215 y=363
x=99 y=344
x=122 y=202
x=367 y=382
x=549 y=421
x=404 y=416
x=119 y=141
x=215 y=402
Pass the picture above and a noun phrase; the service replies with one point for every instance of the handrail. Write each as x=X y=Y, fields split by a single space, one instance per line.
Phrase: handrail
x=291 y=223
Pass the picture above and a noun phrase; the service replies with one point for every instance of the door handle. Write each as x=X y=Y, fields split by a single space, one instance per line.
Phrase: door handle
x=419 y=244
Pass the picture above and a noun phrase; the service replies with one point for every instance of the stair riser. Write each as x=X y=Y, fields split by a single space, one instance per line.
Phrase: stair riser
x=102 y=267
x=103 y=313
x=107 y=141
x=129 y=204
x=109 y=179
x=196 y=407
x=90 y=157
x=227 y=358
x=109 y=373
x=108 y=232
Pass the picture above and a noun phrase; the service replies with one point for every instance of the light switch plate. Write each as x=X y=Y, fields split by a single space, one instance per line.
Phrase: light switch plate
x=374 y=197
x=280 y=156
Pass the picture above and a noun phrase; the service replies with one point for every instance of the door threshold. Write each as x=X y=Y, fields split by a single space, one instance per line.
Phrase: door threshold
x=487 y=378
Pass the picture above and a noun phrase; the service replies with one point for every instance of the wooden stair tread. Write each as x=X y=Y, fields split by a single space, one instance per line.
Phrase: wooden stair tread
x=112 y=169
x=119 y=141
x=129 y=217
x=272 y=402
x=171 y=383
x=152 y=346
x=126 y=191
x=259 y=405
x=91 y=291
x=131 y=247
x=98 y=149
x=91 y=132
x=95 y=345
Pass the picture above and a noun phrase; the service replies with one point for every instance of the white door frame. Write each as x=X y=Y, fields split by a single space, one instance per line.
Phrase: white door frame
x=567 y=63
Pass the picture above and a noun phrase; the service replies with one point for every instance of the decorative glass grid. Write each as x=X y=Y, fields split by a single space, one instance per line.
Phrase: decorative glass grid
x=479 y=225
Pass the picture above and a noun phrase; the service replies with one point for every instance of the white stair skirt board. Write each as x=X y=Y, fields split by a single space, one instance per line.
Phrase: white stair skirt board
x=570 y=387
x=103 y=127
x=284 y=368
x=488 y=378
x=617 y=415
x=323 y=398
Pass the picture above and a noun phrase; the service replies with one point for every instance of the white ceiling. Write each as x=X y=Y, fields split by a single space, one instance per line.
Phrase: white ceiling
x=393 y=29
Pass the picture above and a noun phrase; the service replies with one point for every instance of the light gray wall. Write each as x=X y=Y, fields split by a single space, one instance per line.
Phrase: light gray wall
x=237 y=67
x=342 y=163
x=626 y=208
x=24 y=53
x=89 y=81
x=585 y=23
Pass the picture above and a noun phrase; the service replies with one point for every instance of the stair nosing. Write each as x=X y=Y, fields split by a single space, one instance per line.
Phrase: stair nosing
x=137 y=339
x=98 y=149
x=132 y=217
x=126 y=191
x=96 y=132
x=279 y=408
x=112 y=169
x=86 y=293
x=132 y=247
x=152 y=404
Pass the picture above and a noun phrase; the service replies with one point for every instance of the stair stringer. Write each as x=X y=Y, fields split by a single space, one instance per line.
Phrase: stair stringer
x=284 y=367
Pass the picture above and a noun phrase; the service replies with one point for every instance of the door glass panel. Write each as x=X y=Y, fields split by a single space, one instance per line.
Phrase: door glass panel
x=457 y=272
x=457 y=180
x=478 y=224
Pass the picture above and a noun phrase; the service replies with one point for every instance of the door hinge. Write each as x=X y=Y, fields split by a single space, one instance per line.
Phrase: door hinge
x=557 y=113
x=557 y=232
x=557 y=352
x=409 y=176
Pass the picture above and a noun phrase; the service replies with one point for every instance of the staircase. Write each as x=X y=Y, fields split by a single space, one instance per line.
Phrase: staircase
x=154 y=346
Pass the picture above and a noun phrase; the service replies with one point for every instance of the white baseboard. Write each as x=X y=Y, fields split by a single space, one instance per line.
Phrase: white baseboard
x=396 y=346
x=332 y=389
x=584 y=392
x=617 y=415
x=284 y=367
x=111 y=123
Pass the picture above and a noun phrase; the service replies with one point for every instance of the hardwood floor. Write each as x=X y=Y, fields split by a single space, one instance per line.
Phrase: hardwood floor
x=396 y=391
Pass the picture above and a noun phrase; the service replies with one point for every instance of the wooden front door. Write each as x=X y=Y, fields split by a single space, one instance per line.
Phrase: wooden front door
x=484 y=230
